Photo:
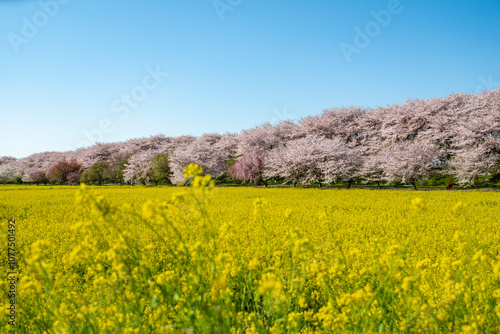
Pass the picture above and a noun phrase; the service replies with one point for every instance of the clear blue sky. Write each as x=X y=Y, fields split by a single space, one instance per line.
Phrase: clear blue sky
x=265 y=61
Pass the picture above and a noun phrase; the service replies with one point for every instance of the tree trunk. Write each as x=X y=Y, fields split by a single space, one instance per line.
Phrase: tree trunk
x=414 y=185
x=294 y=184
x=378 y=184
x=349 y=184
x=265 y=182
x=320 y=185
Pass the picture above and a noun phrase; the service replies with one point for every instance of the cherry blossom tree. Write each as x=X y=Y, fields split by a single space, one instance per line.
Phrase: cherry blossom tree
x=119 y=174
x=479 y=125
x=138 y=167
x=266 y=137
x=407 y=161
x=343 y=123
x=342 y=162
x=158 y=143
x=441 y=116
x=228 y=144
x=100 y=152
x=39 y=162
x=312 y=160
x=205 y=151
x=470 y=165
x=7 y=174
x=456 y=129
x=249 y=167
x=372 y=169
x=258 y=138
x=6 y=160
x=178 y=143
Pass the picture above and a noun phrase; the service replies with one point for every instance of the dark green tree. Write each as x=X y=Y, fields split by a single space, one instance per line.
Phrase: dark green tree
x=97 y=173
x=160 y=169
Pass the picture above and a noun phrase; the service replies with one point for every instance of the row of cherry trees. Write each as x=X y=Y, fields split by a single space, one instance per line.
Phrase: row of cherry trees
x=458 y=135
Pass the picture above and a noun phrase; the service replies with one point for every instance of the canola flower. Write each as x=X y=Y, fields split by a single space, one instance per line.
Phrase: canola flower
x=201 y=259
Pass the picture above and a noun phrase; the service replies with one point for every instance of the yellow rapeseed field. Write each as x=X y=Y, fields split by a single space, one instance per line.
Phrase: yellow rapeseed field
x=201 y=259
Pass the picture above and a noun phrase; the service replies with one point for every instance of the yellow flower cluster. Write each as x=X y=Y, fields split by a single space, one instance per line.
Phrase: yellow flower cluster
x=201 y=259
